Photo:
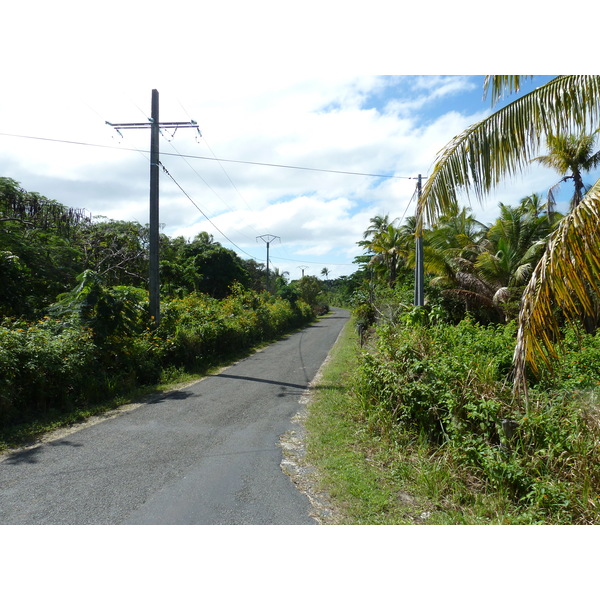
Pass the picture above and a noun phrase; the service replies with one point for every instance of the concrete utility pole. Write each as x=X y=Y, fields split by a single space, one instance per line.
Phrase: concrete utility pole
x=302 y=269
x=419 y=267
x=155 y=126
x=268 y=238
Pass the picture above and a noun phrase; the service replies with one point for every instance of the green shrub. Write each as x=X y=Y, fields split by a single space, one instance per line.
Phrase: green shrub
x=451 y=385
x=98 y=344
x=43 y=370
x=442 y=381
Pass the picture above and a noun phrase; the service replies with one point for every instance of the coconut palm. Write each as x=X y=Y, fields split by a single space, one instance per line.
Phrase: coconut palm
x=389 y=249
x=503 y=144
x=488 y=266
x=387 y=244
x=378 y=224
x=451 y=249
x=571 y=155
x=513 y=246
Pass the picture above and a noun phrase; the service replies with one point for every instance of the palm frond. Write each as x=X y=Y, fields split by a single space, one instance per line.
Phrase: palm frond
x=501 y=85
x=505 y=142
x=563 y=280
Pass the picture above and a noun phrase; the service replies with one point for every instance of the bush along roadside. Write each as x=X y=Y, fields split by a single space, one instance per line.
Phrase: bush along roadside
x=95 y=343
x=448 y=386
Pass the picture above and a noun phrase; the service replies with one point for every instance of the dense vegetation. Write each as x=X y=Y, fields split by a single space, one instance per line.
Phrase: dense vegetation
x=76 y=330
x=438 y=380
x=429 y=412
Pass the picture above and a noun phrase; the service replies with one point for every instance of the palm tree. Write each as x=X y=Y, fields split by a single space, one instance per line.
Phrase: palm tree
x=514 y=244
x=570 y=155
x=451 y=249
x=388 y=246
x=378 y=224
x=488 y=266
x=502 y=144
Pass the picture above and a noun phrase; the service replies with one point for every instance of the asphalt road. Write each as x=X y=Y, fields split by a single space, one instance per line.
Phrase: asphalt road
x=205 y=454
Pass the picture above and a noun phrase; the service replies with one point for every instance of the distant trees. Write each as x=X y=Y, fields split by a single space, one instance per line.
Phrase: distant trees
x=201 y=265
x=45 y=247
x=39 y=249
x=484 y=267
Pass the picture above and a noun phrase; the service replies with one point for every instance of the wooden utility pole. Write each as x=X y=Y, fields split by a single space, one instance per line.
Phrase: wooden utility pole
x=155 y=126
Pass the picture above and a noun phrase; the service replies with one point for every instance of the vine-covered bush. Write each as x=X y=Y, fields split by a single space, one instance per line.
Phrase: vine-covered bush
x=97 y=342
x=441 y=380
x=451 y=385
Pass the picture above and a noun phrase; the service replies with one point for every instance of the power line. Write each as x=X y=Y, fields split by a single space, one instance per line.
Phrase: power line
x=206 y=182
x=219 y=160
x=227 y=175
x=202 y=212
x=313 y=262
x=165 y=170
x=243 y=162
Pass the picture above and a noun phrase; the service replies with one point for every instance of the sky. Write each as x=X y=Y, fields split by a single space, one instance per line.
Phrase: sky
x=376 y=89
x=303 y=137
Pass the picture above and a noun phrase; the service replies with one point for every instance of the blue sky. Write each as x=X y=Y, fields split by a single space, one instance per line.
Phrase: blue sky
x=276 y=82
x=360 y=125
x=301 y=107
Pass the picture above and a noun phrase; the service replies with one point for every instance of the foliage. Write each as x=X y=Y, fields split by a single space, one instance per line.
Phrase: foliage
x=340 y=291
x=105 y=311
x=449 y=385
x=42 y=370
x=427 y=386
x=570 y=155
x=488 y=267
x=505 y=143
x=95 y=343
x=76 y=330
x=390 y=246
x=32 y=210
x=116 y=250
x=566 y=280
x=204 y=266
x=310 y=290
x=44 y=246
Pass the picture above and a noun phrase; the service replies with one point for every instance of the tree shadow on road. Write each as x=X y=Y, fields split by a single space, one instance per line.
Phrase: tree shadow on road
x=31 y=455
x=269 y=381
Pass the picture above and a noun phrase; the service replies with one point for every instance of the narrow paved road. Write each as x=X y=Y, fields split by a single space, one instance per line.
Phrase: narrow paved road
x=206 y=454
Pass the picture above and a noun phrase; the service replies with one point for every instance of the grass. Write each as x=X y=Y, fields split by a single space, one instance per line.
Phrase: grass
x=350 y=465
x=380 y=475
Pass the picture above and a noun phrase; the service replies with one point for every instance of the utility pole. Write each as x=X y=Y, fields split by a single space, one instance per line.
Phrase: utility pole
x=153 y=274
x=268 y=238
x=155 y=126
x=302 y=269
x=419 y=267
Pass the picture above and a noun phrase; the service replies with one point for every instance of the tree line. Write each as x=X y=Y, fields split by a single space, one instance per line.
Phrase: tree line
x=45 y=246
x=533 y=265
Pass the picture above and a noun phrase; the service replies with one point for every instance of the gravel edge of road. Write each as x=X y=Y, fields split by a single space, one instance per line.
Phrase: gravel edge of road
x=296 y=466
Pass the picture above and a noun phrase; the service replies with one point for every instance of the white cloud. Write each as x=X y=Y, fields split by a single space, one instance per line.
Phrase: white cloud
x=282 y=99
